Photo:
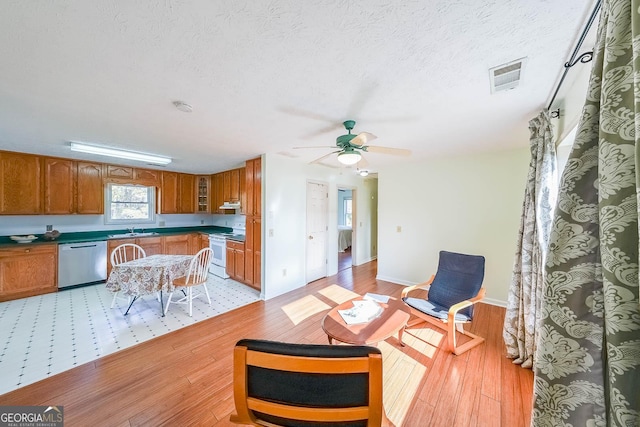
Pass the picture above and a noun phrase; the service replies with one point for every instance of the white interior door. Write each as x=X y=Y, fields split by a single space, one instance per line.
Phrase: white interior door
x=317 y=230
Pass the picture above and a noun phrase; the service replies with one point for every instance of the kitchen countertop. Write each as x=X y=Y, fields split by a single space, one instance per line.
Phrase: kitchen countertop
x=92 y=236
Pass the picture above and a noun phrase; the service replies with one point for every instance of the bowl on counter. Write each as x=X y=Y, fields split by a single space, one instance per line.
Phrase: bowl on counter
x=23 y=239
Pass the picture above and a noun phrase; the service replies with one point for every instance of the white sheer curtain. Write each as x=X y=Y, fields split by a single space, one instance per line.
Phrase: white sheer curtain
x=521 y=320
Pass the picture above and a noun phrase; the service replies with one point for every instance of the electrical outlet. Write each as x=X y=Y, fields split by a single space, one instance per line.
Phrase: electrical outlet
x=271 y=232
x=161 y=223
x=398 y=229
x=49 y=227
x=202 y=221
x=284 y=272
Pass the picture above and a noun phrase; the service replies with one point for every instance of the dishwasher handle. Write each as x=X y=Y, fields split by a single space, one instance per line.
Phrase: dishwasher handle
x=73 y=246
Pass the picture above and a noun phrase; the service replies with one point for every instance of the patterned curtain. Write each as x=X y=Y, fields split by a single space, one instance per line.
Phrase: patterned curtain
x=587 y=368
x=523 y=306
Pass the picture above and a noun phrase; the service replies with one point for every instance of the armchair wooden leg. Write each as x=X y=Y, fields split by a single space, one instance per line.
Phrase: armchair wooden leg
x=451 y=340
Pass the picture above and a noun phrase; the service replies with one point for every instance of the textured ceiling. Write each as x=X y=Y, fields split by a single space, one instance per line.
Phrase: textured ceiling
x=266 y=76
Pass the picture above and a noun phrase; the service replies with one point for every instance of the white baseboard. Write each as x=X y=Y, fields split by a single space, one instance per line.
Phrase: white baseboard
x=367 y=260
x=394 y=280
x=494 y=301
x=491 y=301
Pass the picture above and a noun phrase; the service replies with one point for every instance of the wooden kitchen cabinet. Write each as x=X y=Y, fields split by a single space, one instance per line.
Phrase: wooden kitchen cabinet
x=169 y=193
x=177 y=193
x=147 y=177
x=253 y=183
x=151 y=245
x=217 y=198
x=59 y=186
x=187 y=193
x=21 y=182
x=203 y=241
x=177 y=244
x=89 y=188
x=72 y=187
x=131 y=175
x=27 y=270
x=235 y=260
x=234 y=185
x=253 y=243
x=203 y=194
x=118 y=173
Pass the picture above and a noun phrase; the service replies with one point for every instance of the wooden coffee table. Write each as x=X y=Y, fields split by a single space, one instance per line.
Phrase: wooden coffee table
x=394 y=317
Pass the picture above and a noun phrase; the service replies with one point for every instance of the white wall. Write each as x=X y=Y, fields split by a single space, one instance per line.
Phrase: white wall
x=284 y=214
x=469 y=204
x=36 y=224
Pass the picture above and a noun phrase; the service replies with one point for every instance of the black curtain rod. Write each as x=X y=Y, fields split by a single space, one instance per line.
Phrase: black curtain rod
x=584 y=58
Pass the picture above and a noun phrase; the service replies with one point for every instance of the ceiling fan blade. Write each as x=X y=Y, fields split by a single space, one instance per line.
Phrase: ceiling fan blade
x=322 y=131
x=388 y=150
x=315 y=146
x=362 y=138
x=320 y=159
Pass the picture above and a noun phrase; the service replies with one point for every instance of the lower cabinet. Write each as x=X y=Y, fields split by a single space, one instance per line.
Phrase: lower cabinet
x=235 y=260
x=151 y=245
x=28 y=270
x=178 y=244
x=203 y=241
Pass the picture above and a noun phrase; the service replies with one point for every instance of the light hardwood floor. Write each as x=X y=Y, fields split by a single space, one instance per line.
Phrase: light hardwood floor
x=184 y=378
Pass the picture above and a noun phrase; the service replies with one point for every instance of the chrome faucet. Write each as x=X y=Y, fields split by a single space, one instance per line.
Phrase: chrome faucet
x=131 y=229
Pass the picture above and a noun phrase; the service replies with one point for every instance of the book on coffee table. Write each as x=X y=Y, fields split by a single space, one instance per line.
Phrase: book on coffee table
x=363 y=311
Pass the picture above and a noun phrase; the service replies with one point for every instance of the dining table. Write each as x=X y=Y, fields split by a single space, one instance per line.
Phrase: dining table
x=147 y=276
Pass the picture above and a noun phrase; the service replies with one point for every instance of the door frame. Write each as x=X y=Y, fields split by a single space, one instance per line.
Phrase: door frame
x=326 y=218
x=354 y=220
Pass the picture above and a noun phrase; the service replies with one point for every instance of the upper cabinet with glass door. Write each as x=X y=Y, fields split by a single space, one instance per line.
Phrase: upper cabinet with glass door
x=203 y=198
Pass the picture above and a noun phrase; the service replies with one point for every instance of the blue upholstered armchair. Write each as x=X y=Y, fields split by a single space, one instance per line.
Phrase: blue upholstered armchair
x=451 y=294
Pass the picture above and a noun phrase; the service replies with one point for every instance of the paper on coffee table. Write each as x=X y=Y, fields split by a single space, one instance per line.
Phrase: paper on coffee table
x=362 y=312
x=376 y=297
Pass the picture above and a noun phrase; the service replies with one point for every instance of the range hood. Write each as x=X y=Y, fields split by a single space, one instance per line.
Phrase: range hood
x=230 y=205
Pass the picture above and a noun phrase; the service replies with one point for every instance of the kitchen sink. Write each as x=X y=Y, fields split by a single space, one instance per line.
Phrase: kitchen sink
x=125 y=235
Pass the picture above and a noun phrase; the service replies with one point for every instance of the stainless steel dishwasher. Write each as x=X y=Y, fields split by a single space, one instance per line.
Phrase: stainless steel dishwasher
x=82 y=263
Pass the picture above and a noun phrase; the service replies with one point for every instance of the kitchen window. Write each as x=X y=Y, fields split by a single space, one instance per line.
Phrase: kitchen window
x=130 y=204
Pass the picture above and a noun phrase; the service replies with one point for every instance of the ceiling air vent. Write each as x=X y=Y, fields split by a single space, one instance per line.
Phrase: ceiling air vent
x=506 y=76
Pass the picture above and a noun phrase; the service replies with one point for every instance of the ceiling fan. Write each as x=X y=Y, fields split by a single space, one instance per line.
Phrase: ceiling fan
x=350 y=147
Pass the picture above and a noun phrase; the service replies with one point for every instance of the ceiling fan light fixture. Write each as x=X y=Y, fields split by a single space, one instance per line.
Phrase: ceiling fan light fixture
x=116 y=152
x=349 y=157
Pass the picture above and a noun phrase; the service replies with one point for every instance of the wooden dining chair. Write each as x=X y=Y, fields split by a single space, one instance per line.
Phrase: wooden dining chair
x=196 y=276
x=286 y=384
x=123 y=253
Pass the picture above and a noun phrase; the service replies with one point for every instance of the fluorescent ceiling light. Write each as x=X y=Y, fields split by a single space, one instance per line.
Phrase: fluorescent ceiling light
x=122 y=154
x=349 y=157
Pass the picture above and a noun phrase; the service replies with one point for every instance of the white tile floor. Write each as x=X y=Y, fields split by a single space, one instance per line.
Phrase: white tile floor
x=45 y=335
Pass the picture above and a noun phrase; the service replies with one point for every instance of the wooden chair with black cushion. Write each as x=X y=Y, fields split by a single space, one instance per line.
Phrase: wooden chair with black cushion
x=451 y=294
x=283 y=384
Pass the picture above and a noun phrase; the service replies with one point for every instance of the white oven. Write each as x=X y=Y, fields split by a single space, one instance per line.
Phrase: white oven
x=218 y=245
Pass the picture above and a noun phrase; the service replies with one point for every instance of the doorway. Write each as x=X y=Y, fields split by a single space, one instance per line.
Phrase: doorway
x=317 y=226
x=346 y=220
